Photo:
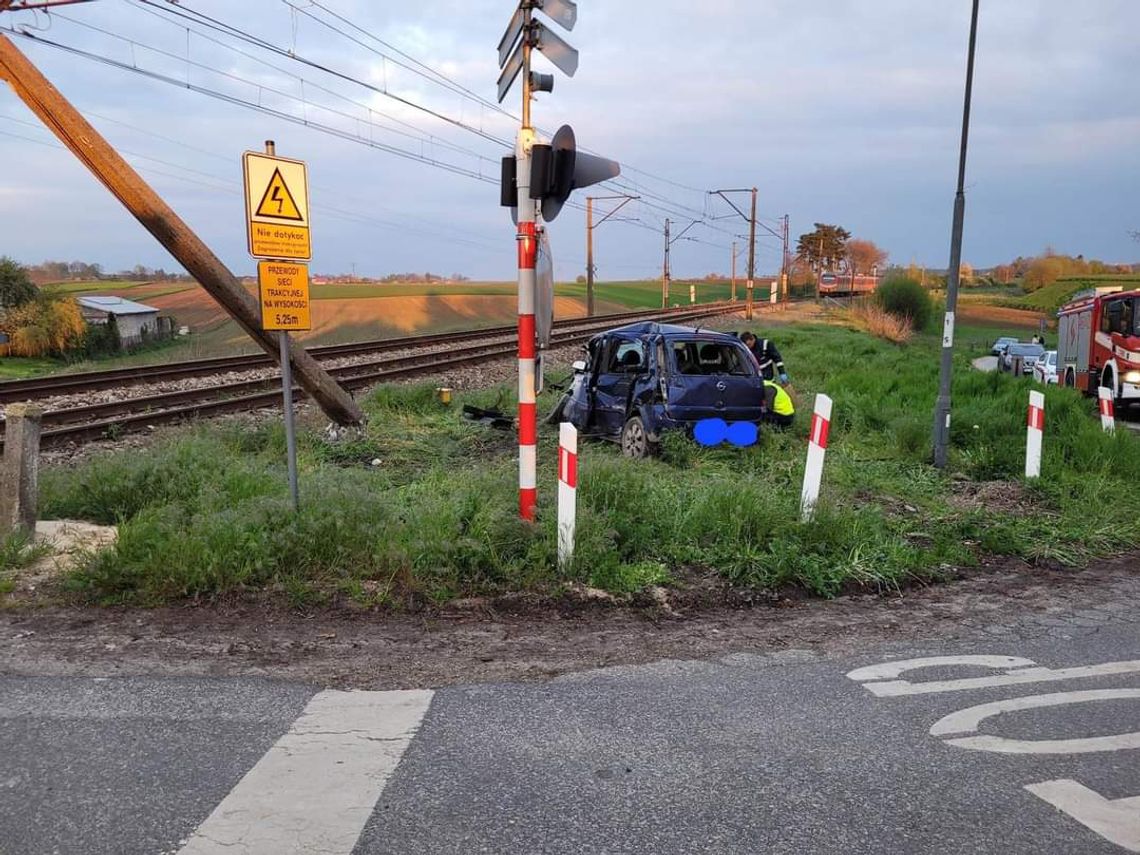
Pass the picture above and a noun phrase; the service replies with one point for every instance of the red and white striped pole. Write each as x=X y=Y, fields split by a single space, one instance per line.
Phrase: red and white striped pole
x=1107 y=409
x=1035 y=431
x=528 y=250
x=817 y=447
x=567 y=491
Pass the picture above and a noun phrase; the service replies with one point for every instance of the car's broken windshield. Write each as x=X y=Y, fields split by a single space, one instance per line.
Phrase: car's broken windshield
x=709 y=357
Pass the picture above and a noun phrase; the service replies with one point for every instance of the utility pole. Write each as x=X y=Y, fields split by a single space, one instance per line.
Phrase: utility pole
x=665 y=270
x=734 y=271
x=590 y=226
x=751 y=220
x=942 y=406
x=589 y=256
x=819 y=269
x=784 y=264
x=751 y=259
x=159 y=219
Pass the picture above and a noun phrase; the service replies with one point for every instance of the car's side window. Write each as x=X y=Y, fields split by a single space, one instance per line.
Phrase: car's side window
x=626 y=356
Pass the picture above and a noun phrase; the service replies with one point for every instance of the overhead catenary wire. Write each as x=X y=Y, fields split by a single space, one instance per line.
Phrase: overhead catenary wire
x=656 y=201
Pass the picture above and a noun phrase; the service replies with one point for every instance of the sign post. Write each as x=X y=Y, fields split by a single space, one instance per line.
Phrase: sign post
x=277 y=227
x=1035 y=431
x=1107 y=409
x=817 y=449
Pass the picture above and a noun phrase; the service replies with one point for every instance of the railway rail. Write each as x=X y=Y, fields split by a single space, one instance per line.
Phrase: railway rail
x=88 y=381
x=77 y=424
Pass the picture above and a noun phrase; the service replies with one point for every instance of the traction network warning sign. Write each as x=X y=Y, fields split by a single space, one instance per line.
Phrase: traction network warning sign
x=284 y=295
x=277 y=207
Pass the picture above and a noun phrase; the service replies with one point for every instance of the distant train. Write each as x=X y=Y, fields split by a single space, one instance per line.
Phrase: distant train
x=847 y=284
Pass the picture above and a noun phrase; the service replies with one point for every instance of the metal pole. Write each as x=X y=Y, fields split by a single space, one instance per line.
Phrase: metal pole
x=290 y=430
x=287 y=395
x=784 y=264
x=819 y=270
x=942 y=406
x=665 y=270
x=751 y=259
x=589 y=257
x=527 y=240
x=734 y=271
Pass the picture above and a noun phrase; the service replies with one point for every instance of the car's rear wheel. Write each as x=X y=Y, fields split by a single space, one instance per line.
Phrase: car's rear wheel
x=635 y=440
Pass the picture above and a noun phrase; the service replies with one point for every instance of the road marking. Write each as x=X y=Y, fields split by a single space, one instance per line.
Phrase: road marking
x=888 y=670
x=967 y=721
x=315 y=789
x=1116 y=821
x=1021 y=675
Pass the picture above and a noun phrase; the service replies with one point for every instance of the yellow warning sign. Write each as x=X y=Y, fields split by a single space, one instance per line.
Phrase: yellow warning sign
x=284 y=295
x=277 y=207
x=278 y=203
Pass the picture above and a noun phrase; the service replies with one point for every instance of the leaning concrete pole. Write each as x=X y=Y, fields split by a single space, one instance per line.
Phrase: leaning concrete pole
x=116 y=174
x=19 y=469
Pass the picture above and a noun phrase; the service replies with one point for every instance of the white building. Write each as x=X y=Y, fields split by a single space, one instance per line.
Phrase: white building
x=130 y=317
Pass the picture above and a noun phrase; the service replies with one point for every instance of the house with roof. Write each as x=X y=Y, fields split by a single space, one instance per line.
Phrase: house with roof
x=134 y=320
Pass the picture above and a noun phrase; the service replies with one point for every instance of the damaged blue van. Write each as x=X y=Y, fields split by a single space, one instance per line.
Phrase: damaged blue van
x=641 y=380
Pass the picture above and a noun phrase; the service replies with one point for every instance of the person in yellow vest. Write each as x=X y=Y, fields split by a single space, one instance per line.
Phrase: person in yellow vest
x=781 y=410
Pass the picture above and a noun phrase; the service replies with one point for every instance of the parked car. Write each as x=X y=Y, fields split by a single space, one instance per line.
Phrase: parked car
x=1028 y=354
x=644 y=379
x=1001 y=344
x=1045 y=370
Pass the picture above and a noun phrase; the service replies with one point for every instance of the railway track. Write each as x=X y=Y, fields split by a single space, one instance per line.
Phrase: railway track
x=89 y=381
x=96 y=421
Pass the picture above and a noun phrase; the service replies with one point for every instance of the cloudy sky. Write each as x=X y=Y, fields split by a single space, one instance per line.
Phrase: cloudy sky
x=840 y=111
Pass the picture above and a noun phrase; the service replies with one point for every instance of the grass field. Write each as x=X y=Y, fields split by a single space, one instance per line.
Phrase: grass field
x=205 y=513
x=21 y=367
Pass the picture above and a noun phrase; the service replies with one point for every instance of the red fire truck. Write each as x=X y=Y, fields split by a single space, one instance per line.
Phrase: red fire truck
x=1099 y=342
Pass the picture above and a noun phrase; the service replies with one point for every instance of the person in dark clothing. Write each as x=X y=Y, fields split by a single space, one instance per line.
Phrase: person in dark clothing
x=767 y=356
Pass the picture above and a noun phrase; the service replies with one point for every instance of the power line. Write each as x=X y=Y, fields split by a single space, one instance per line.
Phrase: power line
x=261 y=108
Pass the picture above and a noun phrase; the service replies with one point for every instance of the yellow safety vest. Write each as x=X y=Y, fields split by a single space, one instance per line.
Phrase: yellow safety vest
x=783 y=403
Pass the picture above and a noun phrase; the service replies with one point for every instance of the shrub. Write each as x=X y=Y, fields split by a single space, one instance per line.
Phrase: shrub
x=15 y=286
x=871 y=318
x=905 y=298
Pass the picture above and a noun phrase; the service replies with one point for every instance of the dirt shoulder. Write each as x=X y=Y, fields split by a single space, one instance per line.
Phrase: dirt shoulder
x=370 y=650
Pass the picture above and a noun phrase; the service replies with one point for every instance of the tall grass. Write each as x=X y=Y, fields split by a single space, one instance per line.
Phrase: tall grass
x=206 y=513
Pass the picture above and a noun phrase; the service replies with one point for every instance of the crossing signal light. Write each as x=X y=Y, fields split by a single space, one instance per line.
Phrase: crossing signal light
x=557 y=169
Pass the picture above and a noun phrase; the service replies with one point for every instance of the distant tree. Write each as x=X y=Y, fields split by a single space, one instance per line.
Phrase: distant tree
x=824 y=247
x=966 y=276
x=16 y=287
x=863 y=256
x=1003 y=273
x=581 y=279
x=1043 y=272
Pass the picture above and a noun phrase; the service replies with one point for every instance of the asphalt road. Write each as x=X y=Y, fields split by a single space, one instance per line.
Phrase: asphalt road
x=789 y=752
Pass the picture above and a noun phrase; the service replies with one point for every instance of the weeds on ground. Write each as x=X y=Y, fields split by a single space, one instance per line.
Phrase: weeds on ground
x=420 y=506
x=17 y=550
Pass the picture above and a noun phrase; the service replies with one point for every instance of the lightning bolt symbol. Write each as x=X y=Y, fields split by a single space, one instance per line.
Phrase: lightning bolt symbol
x=275 y=196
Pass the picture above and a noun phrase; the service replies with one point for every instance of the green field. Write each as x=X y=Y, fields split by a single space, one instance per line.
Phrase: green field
x=205 y=512
x=21 y=367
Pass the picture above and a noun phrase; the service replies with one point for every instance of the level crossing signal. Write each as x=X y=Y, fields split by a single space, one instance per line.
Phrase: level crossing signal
x=536 y=181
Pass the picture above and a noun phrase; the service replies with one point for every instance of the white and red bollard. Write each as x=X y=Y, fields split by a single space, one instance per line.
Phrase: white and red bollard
x=817 y=447
x=567 y=491
x=1107 y=409
x=1035 y=431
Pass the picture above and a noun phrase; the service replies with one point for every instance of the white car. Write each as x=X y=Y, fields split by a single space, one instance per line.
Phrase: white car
x=1045 y=369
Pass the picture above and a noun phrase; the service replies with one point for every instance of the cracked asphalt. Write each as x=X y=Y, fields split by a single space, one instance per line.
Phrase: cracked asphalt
x=745 y=750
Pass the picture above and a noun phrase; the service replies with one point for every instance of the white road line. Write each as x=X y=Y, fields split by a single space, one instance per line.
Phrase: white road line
x=968 y=720
x=889 y=670
x=315 y=789
x=1020 y=677
x=1116 y=821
